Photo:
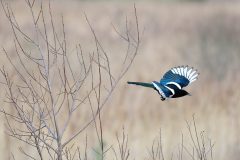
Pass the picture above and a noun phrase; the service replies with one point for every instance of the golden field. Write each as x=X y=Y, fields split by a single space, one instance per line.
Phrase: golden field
x=203 y=35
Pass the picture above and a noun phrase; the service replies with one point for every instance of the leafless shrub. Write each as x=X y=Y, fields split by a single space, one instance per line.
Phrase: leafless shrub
x=47 y=86
x=200 y=147
x=156 y=152
x=123 y=149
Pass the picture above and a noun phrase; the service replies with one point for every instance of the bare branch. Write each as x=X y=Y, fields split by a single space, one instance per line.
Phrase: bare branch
x=46 y=85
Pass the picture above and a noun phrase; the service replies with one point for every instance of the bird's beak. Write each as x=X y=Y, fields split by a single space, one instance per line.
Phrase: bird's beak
x=189 y=94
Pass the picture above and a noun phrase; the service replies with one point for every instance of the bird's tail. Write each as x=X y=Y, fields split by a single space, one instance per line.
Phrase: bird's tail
x=150 y=85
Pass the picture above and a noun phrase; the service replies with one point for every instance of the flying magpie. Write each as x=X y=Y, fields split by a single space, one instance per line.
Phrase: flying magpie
x=172 y=83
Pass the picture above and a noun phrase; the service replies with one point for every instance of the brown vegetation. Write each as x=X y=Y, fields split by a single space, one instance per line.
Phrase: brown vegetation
x=203 y=35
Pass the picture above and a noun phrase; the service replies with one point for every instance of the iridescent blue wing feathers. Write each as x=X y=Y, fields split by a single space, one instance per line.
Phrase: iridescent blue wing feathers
x=179 y=76
x=172 y=82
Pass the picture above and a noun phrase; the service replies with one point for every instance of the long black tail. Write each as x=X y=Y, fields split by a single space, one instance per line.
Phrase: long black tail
x=150 y=85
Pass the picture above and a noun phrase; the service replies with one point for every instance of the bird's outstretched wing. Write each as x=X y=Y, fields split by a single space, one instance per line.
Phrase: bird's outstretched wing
x=179 y=76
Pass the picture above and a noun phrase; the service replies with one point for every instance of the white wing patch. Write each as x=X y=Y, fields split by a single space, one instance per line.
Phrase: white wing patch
x=174 y=83
x=159 y=90
x=174 y=70
x=172 y=90
x=187 y=72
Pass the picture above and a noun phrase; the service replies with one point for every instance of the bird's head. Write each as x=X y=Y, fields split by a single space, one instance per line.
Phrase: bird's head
x=185 y=93
x=180 y=93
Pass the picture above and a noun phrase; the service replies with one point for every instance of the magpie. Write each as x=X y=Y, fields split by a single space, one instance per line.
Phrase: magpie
x=172 y=83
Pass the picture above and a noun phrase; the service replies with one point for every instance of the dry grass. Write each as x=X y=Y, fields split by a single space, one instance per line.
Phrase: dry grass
x=204 y=35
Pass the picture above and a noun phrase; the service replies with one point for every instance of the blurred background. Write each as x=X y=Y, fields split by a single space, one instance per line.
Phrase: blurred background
x=204 y=34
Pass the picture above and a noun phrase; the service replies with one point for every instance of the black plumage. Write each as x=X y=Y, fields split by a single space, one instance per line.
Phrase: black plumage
x=173 y=82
